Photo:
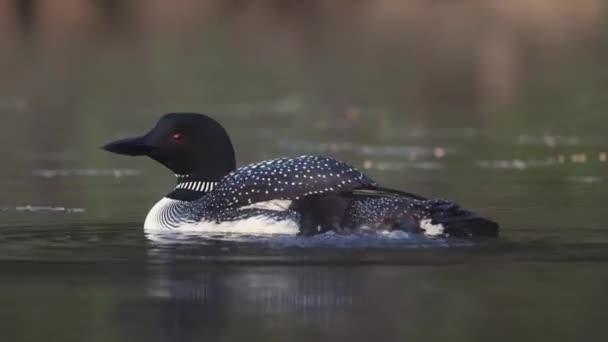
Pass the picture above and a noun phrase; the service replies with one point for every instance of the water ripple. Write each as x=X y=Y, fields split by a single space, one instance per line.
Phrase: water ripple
x=37 y=208
x=585 y=179
x=523 y=164
x=385 y=239
x=410 y=152
x=52 y=173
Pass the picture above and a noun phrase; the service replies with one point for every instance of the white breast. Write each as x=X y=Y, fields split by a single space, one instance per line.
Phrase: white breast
x=252 y=225
x=154 y=219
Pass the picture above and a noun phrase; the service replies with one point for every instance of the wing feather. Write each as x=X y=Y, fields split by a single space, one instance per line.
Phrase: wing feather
x=287 y=178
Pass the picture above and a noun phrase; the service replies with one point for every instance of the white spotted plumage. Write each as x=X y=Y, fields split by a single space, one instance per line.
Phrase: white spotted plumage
x=281 y=179
x=264 y=190
x=271 y=195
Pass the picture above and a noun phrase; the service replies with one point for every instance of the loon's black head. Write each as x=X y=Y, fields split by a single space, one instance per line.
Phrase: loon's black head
x=189 y=144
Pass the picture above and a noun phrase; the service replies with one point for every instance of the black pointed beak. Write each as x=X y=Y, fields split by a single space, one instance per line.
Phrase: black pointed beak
x=130 y=146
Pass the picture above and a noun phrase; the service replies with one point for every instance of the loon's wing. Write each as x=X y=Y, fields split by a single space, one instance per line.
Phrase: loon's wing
x=287 y=178
x=378 y=191
x=415 y=214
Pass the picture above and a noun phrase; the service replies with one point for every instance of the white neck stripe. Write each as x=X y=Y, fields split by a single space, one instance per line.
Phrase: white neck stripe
x=196 y=186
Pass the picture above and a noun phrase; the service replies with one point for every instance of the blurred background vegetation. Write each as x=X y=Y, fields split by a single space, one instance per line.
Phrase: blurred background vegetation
x=514 y=81
x=289 y=77
x=492 y=61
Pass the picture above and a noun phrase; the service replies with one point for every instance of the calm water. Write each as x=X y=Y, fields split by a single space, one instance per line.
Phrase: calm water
x=76 y=266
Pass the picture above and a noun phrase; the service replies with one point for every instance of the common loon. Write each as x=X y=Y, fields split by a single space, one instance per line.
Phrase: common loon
x=305 y=195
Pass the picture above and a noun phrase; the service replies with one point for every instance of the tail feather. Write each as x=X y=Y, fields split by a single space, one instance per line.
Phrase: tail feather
x=472 y=227
x=454 y=220
x=385 y=209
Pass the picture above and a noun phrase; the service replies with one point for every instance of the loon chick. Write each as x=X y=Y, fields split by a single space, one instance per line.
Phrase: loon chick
x=305 y=195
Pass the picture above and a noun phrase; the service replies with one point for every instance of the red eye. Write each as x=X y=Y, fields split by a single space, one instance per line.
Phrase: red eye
x=177 y=136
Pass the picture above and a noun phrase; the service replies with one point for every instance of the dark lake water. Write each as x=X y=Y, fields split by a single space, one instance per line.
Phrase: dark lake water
x=75 y=264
